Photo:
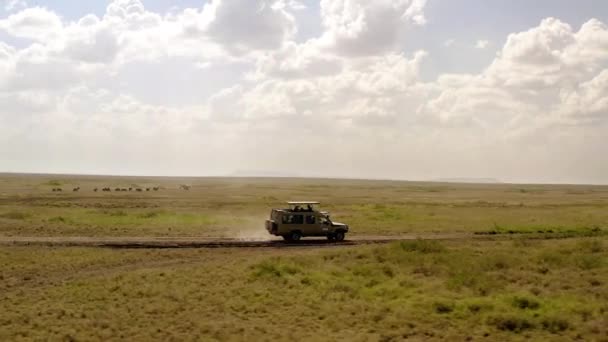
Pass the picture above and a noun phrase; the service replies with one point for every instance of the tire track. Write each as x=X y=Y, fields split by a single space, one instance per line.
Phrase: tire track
x=208 y=242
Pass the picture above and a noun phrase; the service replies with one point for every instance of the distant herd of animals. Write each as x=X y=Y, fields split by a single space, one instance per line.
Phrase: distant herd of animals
x=108 y=189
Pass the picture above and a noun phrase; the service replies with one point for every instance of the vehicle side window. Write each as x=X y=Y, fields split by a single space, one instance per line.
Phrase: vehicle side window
x=310 y=219
x=293 y=219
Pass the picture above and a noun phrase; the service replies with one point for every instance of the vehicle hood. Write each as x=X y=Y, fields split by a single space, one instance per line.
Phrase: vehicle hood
x=338 y=224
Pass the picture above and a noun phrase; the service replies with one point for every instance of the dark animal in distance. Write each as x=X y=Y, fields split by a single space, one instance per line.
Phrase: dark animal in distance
x=76 y=189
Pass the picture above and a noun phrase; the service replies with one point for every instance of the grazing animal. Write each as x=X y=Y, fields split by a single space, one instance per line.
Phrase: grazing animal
x=184 y=187
x=95 y=189
x=76 y=189
x=155 y=188
x=138 y=189
x=147 y=189
x=59 y=189
x=130 y=189
x=123 y=189
x=117 y=189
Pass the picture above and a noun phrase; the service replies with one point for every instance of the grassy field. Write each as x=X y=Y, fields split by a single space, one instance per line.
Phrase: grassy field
x=237 y=207
x=492 y=290
x=496 y=286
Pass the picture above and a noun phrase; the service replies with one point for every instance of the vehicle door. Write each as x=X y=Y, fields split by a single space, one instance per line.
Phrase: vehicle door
x=311 y=222
x=324 y=224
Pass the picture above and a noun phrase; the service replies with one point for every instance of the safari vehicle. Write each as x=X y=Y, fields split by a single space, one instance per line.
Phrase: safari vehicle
x=303 y=218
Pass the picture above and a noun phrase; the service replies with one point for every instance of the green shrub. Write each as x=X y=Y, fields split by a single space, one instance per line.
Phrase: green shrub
x=58 y=219
x=497 y=261
x=443 y=308
x=150 y=214
x=511 y=323
x=525 y=303
x=274 y=268
x=422 y=246
x=479 y=306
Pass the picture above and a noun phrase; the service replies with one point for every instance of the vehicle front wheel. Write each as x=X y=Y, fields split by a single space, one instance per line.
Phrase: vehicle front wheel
x=339 y=236
x=331 y=237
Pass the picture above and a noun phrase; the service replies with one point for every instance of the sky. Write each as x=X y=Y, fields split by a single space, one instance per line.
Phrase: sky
x=513 y=90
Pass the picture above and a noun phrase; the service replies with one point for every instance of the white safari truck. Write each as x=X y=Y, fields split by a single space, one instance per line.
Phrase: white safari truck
x=303 y=218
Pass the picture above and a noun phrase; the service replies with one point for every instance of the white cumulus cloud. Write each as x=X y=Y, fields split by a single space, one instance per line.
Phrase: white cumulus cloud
x=231 y=85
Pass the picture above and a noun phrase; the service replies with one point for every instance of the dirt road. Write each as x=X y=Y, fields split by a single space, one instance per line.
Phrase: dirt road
x=210 y=242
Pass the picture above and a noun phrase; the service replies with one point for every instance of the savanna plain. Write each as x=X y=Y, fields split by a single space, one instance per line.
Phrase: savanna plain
x=529 y=261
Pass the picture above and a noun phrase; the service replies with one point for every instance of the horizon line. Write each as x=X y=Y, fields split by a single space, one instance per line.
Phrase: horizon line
x=445 y=180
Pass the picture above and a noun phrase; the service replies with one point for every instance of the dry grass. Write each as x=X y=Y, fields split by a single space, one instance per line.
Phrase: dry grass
x=225 y=207
x=541 y=290
x=515 y=287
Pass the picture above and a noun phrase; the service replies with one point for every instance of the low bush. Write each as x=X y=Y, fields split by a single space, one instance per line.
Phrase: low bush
x=525 y=303
x=150 y=214
x=274 y=268
x=58 y=219
x=443 y=308
x=116 y=213
x=511 y=323
x=422 y=246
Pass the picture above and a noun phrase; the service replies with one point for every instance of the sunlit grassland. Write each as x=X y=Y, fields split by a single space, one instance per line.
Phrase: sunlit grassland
x=497 y=290
x=225 y=206
x=514 y=287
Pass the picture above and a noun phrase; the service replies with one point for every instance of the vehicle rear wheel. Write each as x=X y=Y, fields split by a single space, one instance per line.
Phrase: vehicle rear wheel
x=339 y=236
x=294 y=236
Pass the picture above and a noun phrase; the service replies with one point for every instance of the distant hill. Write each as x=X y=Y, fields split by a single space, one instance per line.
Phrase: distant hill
x=262 y=173
x=468 y=180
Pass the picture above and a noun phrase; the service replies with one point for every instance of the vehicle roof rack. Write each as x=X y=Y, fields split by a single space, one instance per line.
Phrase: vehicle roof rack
x=303 y=202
